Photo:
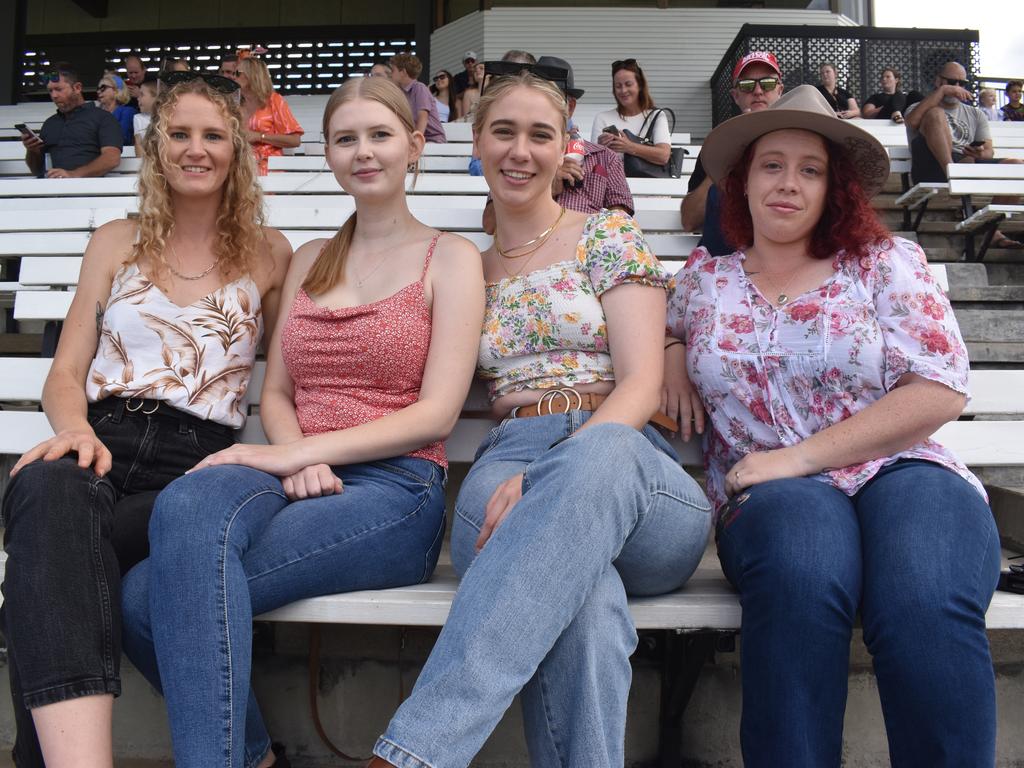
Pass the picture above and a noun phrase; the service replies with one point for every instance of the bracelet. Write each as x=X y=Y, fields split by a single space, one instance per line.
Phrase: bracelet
x=673 y=343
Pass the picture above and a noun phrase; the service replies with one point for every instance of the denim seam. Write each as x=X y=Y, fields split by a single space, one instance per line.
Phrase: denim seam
x=138 y=454
x=977 y=574
x=682 y=500
x=549 y=719
x=226 y=533
x=106 y=605
x=263 y=756
x=380 y=527
x=407 y=474
x=413 y=755
x=427 y=570
x=88 y=687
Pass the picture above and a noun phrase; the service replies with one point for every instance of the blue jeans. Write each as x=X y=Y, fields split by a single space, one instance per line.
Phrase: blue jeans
x=542 y=608
x=225 y=545
x=917 y=552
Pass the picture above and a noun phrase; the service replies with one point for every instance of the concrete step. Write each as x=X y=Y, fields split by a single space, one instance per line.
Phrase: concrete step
x=966 y=296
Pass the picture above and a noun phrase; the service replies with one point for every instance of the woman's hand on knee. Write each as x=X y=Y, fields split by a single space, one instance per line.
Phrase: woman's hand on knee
x=311 y=482
x=762 y=466
x=90 y=449
x=502 y=500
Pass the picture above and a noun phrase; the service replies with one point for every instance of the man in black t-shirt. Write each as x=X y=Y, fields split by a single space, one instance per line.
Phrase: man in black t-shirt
x=461 y=79
x=80 y=139
x=756 y=85
x=890 y=103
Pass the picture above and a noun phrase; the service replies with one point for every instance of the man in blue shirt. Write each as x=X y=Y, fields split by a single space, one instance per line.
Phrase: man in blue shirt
x=80 y=139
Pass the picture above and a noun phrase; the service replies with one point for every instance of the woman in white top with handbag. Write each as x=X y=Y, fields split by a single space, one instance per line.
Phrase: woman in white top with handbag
x=634 y=112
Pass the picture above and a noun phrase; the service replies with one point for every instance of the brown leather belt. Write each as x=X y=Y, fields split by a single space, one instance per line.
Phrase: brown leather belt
x=558 y=401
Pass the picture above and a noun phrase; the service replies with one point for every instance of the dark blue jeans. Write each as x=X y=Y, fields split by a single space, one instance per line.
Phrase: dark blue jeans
x=69 y=537
x=916 y=551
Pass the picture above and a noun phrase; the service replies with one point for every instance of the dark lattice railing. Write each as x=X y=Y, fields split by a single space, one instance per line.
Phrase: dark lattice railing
x=859 y=53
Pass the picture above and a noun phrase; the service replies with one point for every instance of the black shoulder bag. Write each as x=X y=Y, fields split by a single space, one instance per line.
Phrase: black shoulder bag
x=637 y=167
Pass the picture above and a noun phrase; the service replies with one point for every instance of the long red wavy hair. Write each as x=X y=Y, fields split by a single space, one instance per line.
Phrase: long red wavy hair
x=848 y=222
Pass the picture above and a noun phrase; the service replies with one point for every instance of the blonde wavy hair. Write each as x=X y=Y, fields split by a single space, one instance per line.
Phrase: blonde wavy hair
x=329 y=268
x=121 y=94
x=499 y=87
x=240 y=213
x=259 y=78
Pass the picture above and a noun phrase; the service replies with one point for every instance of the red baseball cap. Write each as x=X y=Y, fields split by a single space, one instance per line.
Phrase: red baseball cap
x=760 y=57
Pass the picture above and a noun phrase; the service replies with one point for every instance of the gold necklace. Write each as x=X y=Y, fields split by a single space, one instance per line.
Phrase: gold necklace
x=539 y=239
x=178 y=274
x=364 y=278
x=783 y=297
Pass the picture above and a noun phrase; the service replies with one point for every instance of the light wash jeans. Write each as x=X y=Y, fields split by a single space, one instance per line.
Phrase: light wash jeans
x=916 y=551
x=225 y=545
x=542 y=608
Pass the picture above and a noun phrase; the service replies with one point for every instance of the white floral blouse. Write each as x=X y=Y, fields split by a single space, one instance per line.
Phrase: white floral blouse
x=770 y=377
x=198 y=358
x=547 y=328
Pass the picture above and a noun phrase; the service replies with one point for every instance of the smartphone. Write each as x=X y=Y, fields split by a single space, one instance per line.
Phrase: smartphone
x=610 y=129
x=977 y=143
x=26 y=131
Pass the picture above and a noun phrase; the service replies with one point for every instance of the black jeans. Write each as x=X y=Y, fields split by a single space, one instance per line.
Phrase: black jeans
x=69 y=537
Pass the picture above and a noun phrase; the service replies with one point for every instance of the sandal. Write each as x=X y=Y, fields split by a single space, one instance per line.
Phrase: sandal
x=1007 y=243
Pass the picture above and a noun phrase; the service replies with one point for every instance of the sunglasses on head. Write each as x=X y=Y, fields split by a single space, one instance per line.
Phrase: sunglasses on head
x=954 y=81
x=748 y=85
x=217 y=82
x=624 y=64
x=500 y=69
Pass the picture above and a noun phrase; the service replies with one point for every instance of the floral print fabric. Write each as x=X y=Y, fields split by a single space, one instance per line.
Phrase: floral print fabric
x=770 y=377
x=546 y=328
x=196 y=358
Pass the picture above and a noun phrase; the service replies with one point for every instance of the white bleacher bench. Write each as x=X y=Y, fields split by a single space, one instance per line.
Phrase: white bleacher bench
x=427 y=163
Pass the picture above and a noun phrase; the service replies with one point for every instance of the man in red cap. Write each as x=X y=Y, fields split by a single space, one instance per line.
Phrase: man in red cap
x=756 y=85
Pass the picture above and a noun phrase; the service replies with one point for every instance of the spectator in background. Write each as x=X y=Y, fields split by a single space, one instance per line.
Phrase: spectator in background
x=112 y=96
x=945 y=128
x=380 y=69
x=633 y=105
x=134 y=74
x=444 y=95
x=890 y=102
x=1013 y=110
x=471 y=94
x=170 y=64
x=840 y=99
x=520 y=57
x=468 y=67
x=80 y=140
x=987 y=104
x=229 y=66
x=756 y=85
x=270 y=124
x=147 y=100
x=405 y=68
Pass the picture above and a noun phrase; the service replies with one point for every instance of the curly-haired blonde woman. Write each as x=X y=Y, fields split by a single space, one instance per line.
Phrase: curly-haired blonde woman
x=148 y=379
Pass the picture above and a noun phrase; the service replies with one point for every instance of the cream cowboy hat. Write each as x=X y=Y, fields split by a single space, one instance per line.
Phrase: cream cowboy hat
x=806 y=109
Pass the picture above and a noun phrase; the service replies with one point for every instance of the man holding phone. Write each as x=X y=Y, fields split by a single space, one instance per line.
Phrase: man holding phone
x=80 y=139
x=945 y=127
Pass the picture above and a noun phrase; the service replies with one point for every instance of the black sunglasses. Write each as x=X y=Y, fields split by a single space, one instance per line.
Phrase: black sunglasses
x=440 y=77
x=954 y=81
x=749 y=84
x=624 y=64
x=218 y=82
x=499 y=69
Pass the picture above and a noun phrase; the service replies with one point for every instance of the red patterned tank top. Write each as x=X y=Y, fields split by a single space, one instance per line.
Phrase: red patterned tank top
x=352 y=365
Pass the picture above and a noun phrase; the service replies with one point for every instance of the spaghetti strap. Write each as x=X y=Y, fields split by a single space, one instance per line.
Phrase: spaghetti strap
x=430 y=254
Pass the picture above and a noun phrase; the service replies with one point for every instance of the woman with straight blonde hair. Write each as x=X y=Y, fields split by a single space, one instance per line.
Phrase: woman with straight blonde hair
x=547 y=540
x=112 y=95
x=366 y=377
x=270 y=124
x=149 y=377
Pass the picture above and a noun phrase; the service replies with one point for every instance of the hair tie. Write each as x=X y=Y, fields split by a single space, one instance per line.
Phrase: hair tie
x=117 y=81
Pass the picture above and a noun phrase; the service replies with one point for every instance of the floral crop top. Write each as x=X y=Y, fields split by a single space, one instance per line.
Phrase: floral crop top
x=770 y=377
x=547 y=328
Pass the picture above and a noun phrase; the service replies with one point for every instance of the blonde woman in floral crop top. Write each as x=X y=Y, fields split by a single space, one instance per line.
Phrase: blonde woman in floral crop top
x=574 y=500
x=826 y=357
x=149 y=377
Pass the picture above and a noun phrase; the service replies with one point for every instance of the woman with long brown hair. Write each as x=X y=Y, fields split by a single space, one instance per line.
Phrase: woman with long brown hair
x=366 y=377
x=270 y=125
x=149 y=377
x=636 y=113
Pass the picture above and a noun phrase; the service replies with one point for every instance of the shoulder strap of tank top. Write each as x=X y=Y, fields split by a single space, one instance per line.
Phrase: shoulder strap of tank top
x=430 y=255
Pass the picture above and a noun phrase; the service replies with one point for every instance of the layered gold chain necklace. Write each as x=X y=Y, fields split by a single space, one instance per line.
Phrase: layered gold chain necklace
x=537 y=243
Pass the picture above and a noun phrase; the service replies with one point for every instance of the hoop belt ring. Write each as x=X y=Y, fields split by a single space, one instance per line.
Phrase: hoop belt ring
x=562 y=400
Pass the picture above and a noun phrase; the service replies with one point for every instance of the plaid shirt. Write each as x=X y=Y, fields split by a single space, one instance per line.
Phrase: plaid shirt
x=604 y=183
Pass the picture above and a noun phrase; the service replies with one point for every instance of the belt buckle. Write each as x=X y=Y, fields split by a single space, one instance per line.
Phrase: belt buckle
x=547 y=400
x=142 y=403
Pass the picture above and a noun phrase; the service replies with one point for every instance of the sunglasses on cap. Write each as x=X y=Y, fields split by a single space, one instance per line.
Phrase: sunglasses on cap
x=500 y=69
x=954 y=81
x=747 y=85
x=218 y=82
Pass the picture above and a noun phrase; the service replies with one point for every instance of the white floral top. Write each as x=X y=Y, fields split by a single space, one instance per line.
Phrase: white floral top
x=770 y=377
x=546 y=328
x=198 y=358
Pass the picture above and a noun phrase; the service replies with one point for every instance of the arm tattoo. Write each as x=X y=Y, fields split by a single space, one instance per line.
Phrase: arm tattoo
x=99 y=319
